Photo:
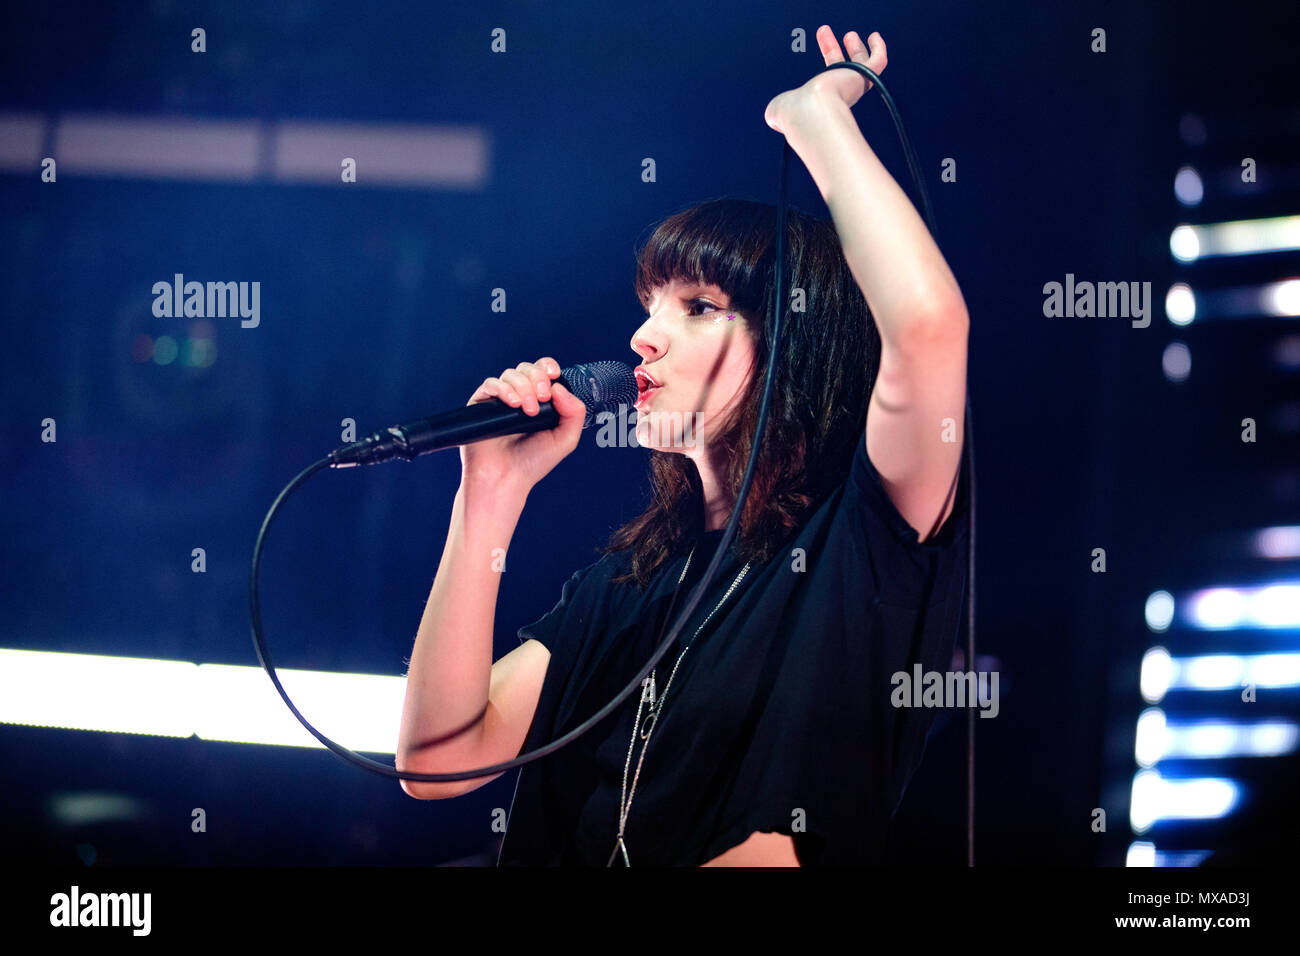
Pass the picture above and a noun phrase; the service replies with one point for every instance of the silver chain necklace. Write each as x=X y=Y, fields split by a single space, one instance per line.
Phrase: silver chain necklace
x=655 y=707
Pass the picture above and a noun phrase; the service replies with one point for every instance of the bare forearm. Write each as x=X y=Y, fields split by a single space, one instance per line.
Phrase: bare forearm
x=451 y=665
x=900 y=270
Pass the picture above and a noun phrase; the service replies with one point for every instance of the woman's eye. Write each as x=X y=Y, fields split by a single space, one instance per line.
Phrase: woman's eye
x=700 y=302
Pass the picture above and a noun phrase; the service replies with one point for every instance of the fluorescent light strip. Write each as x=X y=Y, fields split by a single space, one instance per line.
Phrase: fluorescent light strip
x=1279 y=298
x=1274 y=605
x=387 y=155
x=1280 y=542
x=1155 y=798
x=1161 y=673
x=111 y=145
x=1242 y=237
x=1157 y=739
x=1144 y=853
x=212 y=701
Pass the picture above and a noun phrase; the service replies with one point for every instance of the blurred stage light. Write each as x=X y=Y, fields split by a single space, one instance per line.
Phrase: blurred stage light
x=1152 y=738
x=1222 y=671
x=1180 y=304
x=1262 y=606
x=1156 y=674
x=1159 y=610
x=1187 y=186
x=1279 y=542
x=1184 y=243
x=164 y=350
x=1281 y=298
x=1176 y=360
x=1155 y=798
x=212 y=701
x=132 y=695
x=1158 y=739
x=1140 y=853
x=1242 y=237
x=1143 y=853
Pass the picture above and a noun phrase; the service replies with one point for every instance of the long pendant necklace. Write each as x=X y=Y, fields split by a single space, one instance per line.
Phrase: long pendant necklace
x=654 y=706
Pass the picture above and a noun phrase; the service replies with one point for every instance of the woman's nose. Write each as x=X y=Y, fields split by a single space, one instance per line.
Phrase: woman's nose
x=646 y=343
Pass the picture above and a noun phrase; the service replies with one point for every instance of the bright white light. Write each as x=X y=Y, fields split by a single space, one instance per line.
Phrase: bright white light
x=1225 y=738
x=1277 y=605
x=1217 y=608
x=1221 y=671
x=1282 y=298
x=1270 y=738
x=1140 y=853
x=1152 y=738
x=1160 y=610
x=1187 y=186
x=1157 y=674
x=1184 y=243
x=1180 y=303
x=1265 y=606
x=1176 y=360
x=1273 y=670
x=1212 y=671
x=1207 y=739
x=359 y=711
x=1158 y=740
x=1201 y=798
x=1282 y=541
x=130 y=695
x=1242 y=237
x=215 y=701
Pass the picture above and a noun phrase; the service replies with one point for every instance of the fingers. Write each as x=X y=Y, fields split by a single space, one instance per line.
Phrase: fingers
x=875 y=57
x=829 y=46
x=526 y=386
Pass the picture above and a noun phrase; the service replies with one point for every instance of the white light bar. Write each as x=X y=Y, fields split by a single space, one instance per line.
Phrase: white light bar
x=156 y=148
x=1264 y=606
x=1155 y=798
x=1160 y=673
x=213 y=701
x=386 y=155
x=1238 y=238
x=1279 y=542
x=1143 y=853
x=1157 y=739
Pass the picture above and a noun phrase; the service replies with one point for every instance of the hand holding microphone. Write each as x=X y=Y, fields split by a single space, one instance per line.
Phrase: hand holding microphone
x=525 y=458
x=501 y=438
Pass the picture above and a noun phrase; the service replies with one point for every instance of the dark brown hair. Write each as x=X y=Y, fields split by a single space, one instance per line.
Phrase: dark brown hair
x=829 y=357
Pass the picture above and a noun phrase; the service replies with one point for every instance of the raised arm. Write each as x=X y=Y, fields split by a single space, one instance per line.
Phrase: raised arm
x=916 y=416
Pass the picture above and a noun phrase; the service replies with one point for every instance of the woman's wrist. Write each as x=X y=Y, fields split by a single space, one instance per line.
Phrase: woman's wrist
x=496 y=493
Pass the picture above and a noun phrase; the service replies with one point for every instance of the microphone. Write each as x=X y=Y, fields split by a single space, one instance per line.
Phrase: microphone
x=601 y=386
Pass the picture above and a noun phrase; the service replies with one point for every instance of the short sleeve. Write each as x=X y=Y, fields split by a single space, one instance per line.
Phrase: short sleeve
x=865 y=493
x=830 y=752
x=570 y=614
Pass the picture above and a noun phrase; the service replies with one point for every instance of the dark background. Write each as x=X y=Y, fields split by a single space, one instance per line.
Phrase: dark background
x=376 y=306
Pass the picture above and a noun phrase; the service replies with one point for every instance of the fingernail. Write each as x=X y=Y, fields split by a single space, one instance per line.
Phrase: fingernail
x=512 y=396
x=541 y=389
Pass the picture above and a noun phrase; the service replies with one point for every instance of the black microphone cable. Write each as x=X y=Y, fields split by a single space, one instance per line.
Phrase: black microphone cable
x=698 y=592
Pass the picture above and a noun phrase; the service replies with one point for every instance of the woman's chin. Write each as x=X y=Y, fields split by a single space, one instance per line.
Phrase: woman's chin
x=667 y=431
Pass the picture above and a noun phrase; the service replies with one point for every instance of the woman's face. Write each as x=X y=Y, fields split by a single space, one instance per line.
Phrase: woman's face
x=700 y=353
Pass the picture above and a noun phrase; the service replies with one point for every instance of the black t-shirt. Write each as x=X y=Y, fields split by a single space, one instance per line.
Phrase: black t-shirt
x=779 y=718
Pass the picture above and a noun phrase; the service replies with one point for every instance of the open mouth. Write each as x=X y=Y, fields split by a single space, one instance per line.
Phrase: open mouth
x=646 y=386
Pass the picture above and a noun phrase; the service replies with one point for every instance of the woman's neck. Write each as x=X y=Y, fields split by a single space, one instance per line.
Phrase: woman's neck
x=717 y=502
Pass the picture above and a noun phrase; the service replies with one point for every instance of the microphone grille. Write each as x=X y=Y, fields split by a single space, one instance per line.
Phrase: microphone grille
x=601 y=386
